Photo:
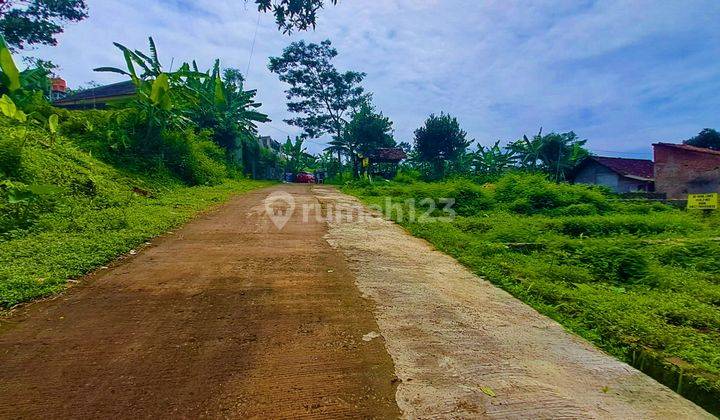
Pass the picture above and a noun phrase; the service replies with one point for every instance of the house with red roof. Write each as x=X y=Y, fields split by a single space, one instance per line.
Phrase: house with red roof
x=681 y=169
x=621 y=175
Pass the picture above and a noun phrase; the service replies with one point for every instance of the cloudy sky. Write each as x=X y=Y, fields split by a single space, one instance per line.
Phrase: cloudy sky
x=622 y=74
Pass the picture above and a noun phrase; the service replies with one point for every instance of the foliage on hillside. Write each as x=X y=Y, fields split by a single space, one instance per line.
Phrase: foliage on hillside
x=64 y=212
x=636 y=278
x=78 y=188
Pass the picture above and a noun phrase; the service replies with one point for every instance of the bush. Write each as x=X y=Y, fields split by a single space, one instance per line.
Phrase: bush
x=121 y=137
x=11 y=145
x=612 y=263
x=701 y=255
x=597 y=226
x=531 y=194
x=408 y=176
x=194 y=157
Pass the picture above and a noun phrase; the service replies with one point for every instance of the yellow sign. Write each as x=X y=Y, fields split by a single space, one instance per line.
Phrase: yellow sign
x=365 y=162
x=703 y=201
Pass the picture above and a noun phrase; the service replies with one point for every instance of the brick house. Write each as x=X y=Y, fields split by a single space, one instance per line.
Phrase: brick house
x=681 y=169
x=619 y=174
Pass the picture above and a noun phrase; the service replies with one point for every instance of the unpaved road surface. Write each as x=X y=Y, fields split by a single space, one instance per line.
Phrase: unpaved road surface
x=232 y=317
x=227 y=317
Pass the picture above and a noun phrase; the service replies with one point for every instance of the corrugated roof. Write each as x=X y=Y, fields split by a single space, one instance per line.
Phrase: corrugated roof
x=640 y=168
x=389 y=153
x=689 y=148
x=107 y=91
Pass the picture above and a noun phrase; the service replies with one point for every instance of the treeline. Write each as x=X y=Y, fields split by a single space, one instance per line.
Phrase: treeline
x=441 y=149
x=329 y=102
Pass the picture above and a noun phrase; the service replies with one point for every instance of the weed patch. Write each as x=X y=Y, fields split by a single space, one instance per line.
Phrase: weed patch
x=636 y=278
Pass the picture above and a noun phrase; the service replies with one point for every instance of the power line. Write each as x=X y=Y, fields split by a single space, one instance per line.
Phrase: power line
x=278 y=129
x=252 y=47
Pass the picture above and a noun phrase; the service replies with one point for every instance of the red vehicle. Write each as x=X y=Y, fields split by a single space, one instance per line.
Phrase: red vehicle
x=305 y=178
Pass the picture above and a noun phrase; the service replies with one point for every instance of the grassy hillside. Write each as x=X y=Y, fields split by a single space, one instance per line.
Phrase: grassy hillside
x=639 y=279
x=73 y=203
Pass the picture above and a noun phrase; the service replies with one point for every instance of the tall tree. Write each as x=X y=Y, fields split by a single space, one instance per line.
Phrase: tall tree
x=367 y=131
x=318 y=91
x=31 y=22
x=708 y=138
x=440 y=141
x=293 y=14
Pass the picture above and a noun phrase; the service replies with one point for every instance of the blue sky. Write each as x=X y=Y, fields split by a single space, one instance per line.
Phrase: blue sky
x=622 y=74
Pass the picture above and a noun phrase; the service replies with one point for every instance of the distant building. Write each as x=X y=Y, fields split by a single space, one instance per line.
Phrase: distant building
x=681 y=169
x=619 y=174
x=384 y=161
x=268 y=143
x=99 y=97
x=58 y=88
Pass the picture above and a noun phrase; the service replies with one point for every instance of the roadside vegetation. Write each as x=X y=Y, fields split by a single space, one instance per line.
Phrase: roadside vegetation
x=78 y=188
x=639 y=279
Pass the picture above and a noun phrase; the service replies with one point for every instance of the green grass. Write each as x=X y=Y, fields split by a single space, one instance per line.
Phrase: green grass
x=641 y=280
x=83 y=237
x=64 y=213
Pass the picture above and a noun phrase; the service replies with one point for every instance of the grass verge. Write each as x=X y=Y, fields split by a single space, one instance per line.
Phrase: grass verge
x=641 y=280
x=80 y=238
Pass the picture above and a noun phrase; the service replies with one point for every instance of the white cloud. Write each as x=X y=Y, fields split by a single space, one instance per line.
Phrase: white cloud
x=622 y=74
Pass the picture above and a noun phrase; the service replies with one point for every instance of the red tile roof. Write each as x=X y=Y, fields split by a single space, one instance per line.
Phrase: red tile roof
x=689 y=148
x=641 y=168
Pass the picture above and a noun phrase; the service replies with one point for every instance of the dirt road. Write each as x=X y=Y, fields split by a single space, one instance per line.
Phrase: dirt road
x=232 y=317
x=227 y=317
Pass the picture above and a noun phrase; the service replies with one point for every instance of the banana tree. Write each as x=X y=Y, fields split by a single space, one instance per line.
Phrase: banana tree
x=528 y=151
x=18 y=88
x=161 y=96
x=9 y=83
x=190 y=95
x=493 y=160
x=223 y=106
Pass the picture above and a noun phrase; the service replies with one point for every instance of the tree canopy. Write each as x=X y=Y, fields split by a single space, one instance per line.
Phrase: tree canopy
x=708 y=138
x=37 y=22
x=440 y=141
x=369 y=130
x=556 y=154
x=318 y=91
x=293 y=14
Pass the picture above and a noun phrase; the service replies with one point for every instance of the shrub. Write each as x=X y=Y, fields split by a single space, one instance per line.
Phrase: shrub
x=472 y=224
x=10 y=153
x=194 y=157
x=701 y=255
x=585 y=209
x=408 y=176
x=530 y=194
x=597 y=226
x=615 y=263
